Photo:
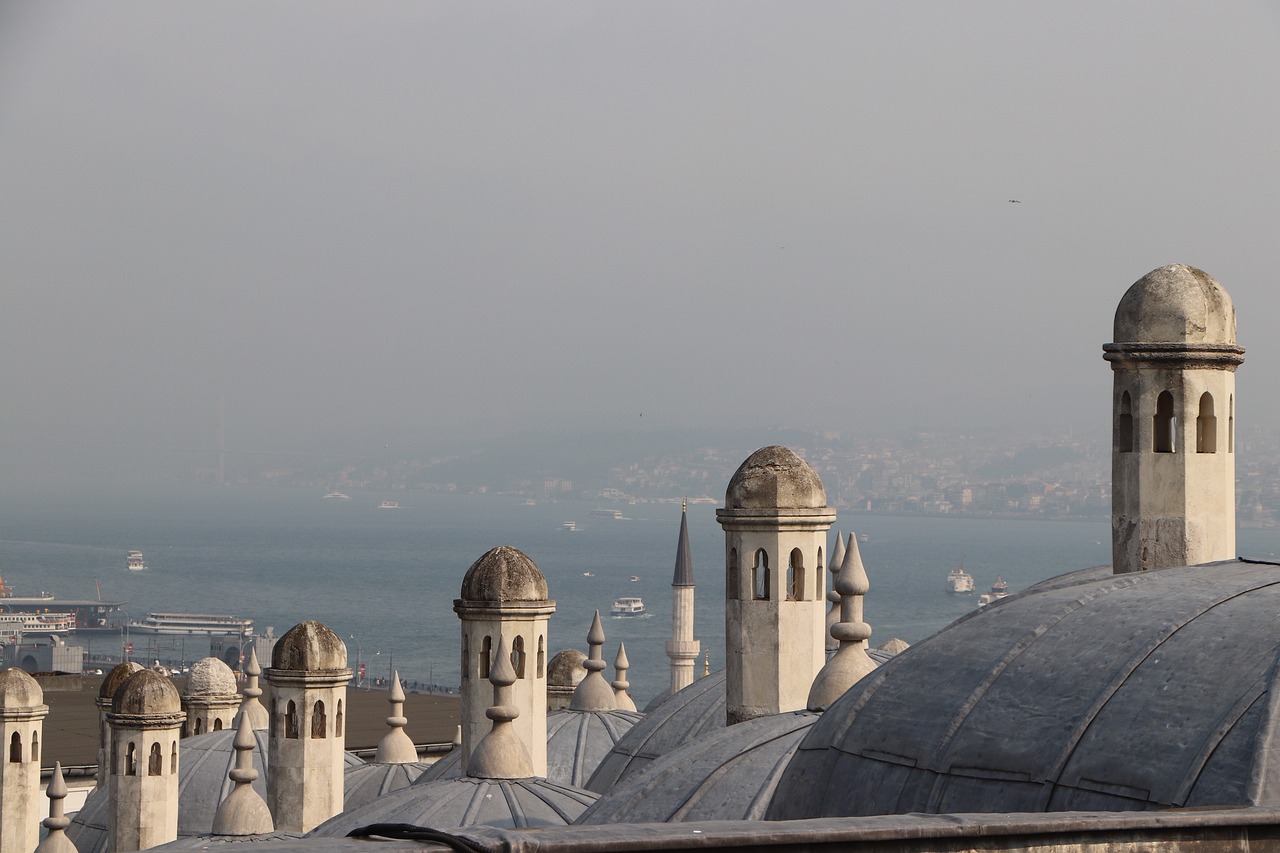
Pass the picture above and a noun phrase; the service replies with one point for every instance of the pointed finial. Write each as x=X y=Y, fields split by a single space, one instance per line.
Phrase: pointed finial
x=396 y=747
x=457 y=739
x=501 y=754
x=250 y=706
x=684 y=559
x=706 y=663
x=56 y=841
x=850 y=661
x=833 y=612
x=243 y=812
x=593 y=692
x=620 y=684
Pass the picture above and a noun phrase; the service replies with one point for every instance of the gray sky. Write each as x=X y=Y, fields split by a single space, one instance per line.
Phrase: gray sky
x=369 y=220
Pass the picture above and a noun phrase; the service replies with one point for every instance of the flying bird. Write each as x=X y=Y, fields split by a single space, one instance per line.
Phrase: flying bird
x=1015 y=201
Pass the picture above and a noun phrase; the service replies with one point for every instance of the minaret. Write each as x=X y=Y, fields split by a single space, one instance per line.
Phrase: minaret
x=211 y=698
x=621 y=699
x=833 y=596
x=682 y=648
x=243 y=812
x=146 y=722
x=851 y=661
x=22 y=713
x=504 y=597
x=593 y=693
x=251 y=705
x=775 y=522
x=1173 y=424
x=306 y=740
x=396 y=747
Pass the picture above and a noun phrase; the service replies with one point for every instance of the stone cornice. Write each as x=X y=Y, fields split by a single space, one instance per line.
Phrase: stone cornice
x=1204 y=356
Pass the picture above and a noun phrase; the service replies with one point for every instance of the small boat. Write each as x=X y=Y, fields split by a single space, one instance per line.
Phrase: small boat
x=627 y=607
x=959 y=582
x=864 y=537
x=569 y=527
x=337 y=496
x=529 y=502
x=135 y=562
x=588 y=574
x=634 y=578
x=608 y=513
x=999 y=590
x=389 y=505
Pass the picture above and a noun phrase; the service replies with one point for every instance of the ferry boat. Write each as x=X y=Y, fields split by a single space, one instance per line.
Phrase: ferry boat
x=389 y=505
x=627 y=607
x=569 y=527
x=608 y=513
x=999 y=590
x=12 y=624
x=192 y=623
x=337 y=496
x=135 y=562
x=959 y=582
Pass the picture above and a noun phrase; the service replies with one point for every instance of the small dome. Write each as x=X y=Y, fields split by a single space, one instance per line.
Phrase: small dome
x=364 y=783
x=565 y=669
x=504 y=574
x=146 y=692
x=210 y=678
x=19 y=690
x=118 y=675
x=1176 y=304
x=775 y=477
x=309 y=647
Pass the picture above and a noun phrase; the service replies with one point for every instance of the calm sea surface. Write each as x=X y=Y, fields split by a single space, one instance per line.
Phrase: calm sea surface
x=385 y=579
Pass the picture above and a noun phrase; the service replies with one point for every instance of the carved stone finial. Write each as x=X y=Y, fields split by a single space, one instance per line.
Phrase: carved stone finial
x=396 y=747
x=620 y=684
x=593 y=692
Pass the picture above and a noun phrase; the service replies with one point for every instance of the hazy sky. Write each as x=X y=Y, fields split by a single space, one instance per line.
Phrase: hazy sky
x=359 y=222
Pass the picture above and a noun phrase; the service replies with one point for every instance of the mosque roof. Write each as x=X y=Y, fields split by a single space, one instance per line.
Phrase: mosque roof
x=365 y=782
x=775 y=477
x=309 y=646
x=1090 y=692
x=504 y=574
x=467 y=801
x=1176 y=304
x=577 y=741
x=729 y=774
x=203 y=764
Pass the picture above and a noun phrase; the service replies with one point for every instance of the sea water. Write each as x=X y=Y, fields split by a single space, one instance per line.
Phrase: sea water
x=385 y=579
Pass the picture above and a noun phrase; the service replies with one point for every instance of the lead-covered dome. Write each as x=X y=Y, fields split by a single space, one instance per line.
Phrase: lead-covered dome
x=1093 y=691
x=19 y=690
x=1177 y=304
x=210 y=678
x=309 y=646
x=146 y=693
x=772 y=477
x=504 y=574
x=116 y=676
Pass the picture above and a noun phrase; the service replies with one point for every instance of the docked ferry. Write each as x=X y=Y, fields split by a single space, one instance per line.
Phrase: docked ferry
x=12 y=624
x=204 y=624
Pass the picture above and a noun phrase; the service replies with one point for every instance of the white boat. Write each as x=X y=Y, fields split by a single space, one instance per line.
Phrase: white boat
x=12 y=624
x=192 y=623
x=959 y=582
x=608 y=513
x=337 y=496
x=569 y=527
x=389 y=505
x=634 y=578
x=135 y=561
x=999 y=590
x=627 y=607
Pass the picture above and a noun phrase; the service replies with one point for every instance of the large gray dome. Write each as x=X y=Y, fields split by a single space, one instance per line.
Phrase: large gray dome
x=19 y=690
x=775 y=477
x=1137 y=691
x=1176 y=304
x=309 y=646
x=504 y=574
x=210 y=678
x=729 y=774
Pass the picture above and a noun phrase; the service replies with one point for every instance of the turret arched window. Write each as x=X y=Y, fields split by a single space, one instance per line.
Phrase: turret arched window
x=291 y=720
x=486 y=648
x=542 y=657
x=155 y=761
x=15 y=748
x=35 y=746
x=131 y=760
x=820 y=581
x=466 y=658
x=318 y=721
x=1165 y=425
x=173 y=758
x=517 y=656
x=795 y=576
x=1206 y=426
x=217 y=724
x=199 y=727
x=1124 y=425
x=732 y=579
x=1231 y=424
x=760 y=576
x=337 y=721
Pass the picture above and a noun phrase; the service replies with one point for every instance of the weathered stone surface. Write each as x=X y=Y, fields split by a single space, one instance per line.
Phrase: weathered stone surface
x=774 y=477
x=504 y=574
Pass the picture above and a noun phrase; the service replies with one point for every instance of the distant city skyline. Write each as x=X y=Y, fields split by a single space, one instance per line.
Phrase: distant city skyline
x=402 y=224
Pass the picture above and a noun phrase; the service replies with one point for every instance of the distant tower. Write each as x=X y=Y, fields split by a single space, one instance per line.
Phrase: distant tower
x=504 y=597
x=146 y=722
x=682 y=648
x=1173 y=424
x=306 y=741
x=211 y=698
x=775 y=522
x=116 y=676
x=22 y=713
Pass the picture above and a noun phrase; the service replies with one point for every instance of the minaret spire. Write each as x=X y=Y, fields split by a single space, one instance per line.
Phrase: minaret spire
x=250 y=706
x=620 y=684
x=593 y=693
x=396 y=747
x=501 y=754
x=243 y=812
x=833 y=612
x=682 y=648
x=850 y=661
x=56 y=841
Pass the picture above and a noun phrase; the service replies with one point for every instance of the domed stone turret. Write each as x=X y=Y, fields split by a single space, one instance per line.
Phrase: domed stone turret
x=146 y=721
x=1176 y=304
x=1173 y=365
x=564 y=674
x=146 y=693
x=22 y=711
x=210 y=677
x=211 y=697
x=504 y=574
x=775 y=477
x=309 y=647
